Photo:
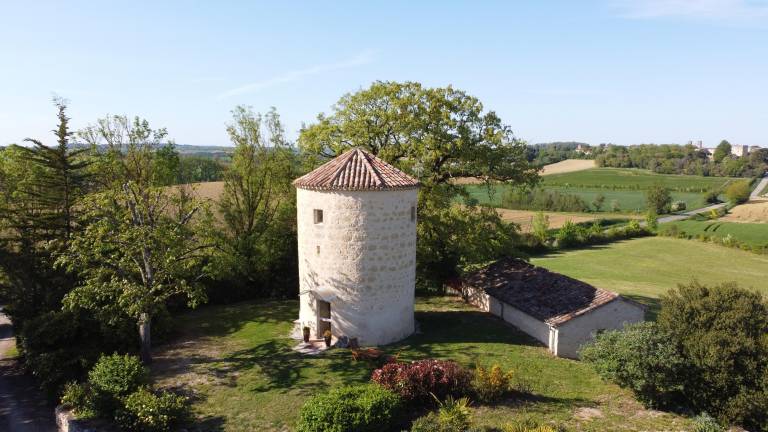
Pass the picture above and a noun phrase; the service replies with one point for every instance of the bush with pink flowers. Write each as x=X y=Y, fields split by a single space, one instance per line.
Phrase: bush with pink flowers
x=417 y=381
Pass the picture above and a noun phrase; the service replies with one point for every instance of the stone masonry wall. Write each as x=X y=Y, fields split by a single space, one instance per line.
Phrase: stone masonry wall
x=362 y=259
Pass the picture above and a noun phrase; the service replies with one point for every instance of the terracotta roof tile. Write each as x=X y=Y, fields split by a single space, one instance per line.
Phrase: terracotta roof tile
x=356 y=169
x=540 y=293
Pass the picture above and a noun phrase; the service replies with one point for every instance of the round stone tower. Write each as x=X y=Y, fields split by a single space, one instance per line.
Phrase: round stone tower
x=357 y=249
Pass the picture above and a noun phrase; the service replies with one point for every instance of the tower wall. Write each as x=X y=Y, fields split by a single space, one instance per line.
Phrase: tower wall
x=361 y=259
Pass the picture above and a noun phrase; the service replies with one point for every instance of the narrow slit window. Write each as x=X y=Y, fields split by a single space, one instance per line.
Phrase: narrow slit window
x=318 y=216
x=318 y=249
x=413 y=213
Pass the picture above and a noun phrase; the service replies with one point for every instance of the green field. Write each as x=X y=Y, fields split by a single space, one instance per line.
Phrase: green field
x=238 y=363
x=752 y=234
x=644 y=269
x=626 y=186
x=628 y=177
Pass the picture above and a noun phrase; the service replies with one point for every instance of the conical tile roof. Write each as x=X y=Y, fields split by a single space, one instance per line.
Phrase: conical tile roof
x=355 y=170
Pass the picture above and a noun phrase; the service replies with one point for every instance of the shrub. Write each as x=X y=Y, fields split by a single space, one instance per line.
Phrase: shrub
x=639 y=357
x=79 y=398
x=61 y=346
x=364 y=408
x=567 y=235
x=721 y=332
x=452 y=416
x=712 y=197
x=491 y=384
x=738 y=192
x=658 y=199
x=422 y=380
x=145 y=411
x=678 y=206
x=705 y=423
x=543 y=199
x=651 y=220
x=113 y=378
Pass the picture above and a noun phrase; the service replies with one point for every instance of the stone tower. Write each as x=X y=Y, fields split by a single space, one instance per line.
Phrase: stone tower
x=357 y=249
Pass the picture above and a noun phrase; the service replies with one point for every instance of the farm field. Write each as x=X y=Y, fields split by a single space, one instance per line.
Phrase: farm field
x=755 y=211
x=753 y=234
x=646 y=268
x=625 y=186
x=237 y=362
x=568 y=165
x=556 y=219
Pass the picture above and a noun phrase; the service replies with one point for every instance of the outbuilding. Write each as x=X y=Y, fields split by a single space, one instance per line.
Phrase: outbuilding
x=561 y=312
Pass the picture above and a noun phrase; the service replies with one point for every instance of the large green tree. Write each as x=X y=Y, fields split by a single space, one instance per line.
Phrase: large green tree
x=722 y=151
x=40 y=192
x=437 y=135
x=258 y=204
x=143 y=243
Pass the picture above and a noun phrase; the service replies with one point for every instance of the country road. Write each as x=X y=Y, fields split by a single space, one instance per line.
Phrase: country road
x=759 y=188
x=689 y=214
x=22 y=407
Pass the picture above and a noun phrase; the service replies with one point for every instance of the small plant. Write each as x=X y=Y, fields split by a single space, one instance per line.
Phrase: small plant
x=145 y=411
x=327 y=337
x=491 y=384
x=305 y=333
x=454 y=411
x=361 y=408
x=528 y=425
x=651 y=220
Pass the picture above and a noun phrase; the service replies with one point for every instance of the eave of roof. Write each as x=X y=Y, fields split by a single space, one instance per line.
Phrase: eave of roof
x=547 y=296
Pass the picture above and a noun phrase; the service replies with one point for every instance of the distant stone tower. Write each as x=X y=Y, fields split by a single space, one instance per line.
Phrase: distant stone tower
x=357 y=249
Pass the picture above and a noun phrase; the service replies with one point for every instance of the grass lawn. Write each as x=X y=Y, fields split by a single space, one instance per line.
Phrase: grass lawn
x=645 y=268
x=753 y=234
x=237 y=362
x=589 y=183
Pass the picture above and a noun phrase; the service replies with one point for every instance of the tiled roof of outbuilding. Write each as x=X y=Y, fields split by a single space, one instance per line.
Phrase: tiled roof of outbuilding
x=540 y=293
x=356 y=169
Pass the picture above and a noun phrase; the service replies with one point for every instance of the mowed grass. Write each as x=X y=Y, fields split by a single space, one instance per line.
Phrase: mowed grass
x=237 y=363
x=752 y=234
x=625 y=186
x=646 y=268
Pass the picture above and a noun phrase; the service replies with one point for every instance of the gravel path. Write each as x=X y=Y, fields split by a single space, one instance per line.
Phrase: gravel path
x=22 y=407
x=755 y=195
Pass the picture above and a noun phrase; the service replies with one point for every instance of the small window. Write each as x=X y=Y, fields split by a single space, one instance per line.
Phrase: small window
x=413 y=213
x=318 y=216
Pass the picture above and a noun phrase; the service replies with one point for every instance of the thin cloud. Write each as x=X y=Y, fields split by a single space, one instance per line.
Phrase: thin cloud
x=718 y=10
x=358 y=60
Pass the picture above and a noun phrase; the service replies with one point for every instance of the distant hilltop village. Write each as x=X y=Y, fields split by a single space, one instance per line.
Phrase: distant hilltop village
x=736 y=150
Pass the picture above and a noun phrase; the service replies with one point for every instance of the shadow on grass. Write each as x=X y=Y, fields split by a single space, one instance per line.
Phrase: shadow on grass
x=653 y=305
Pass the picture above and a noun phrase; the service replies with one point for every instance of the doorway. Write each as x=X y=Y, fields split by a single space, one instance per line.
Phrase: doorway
x=323 y=317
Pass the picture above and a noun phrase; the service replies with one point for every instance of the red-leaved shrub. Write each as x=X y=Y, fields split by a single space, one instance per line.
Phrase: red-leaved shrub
x=419 y=380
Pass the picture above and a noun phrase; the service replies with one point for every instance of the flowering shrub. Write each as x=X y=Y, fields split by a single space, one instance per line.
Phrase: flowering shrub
x=423 y=380
x=491 y=384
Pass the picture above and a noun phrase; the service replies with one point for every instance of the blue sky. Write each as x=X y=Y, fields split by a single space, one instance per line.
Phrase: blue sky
x=622 y=71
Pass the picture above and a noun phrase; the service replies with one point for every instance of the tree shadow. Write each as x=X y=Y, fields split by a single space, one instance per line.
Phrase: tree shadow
x=653 y=305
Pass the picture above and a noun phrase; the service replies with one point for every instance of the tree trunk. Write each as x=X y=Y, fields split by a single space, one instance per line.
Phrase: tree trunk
x=145 y=323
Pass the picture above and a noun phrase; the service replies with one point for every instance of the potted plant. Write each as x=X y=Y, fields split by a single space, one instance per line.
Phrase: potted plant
x=305 y=330
x=327 y=337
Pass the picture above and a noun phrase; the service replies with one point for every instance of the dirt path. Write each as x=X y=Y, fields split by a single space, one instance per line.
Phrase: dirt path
x=22 y=407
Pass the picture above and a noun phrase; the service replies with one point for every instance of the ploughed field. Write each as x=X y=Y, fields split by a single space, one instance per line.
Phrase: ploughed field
x=236 y=362
x=626 y=187
x=645 y=268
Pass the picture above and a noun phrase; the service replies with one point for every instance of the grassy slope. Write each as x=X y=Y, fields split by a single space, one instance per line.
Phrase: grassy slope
x=587 y=184
x=237 y=360
x=646 y=268
x=753 y=234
